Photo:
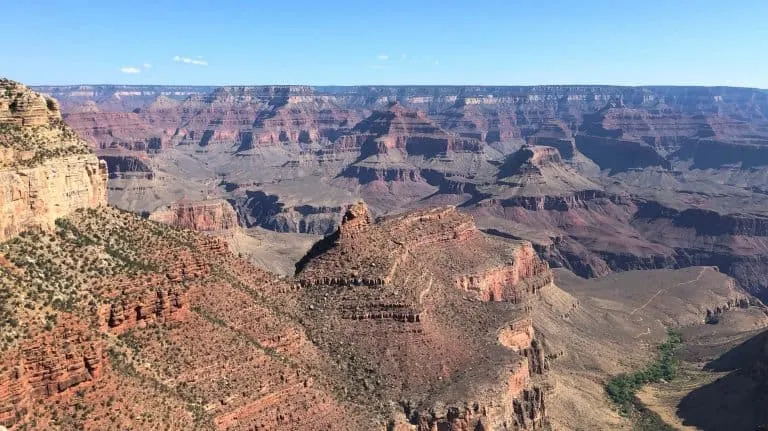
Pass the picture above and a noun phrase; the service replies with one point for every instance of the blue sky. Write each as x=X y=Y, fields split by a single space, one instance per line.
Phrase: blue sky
x=484 y=42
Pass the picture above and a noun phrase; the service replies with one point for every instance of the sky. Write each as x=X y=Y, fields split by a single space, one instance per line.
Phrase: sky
x=387 y=42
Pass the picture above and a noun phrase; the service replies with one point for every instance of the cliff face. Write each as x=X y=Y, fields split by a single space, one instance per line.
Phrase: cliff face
x=471 y=118
x=112 y=130
x=210 y=215
x=261 y=208
x=46 y=171
x=299 y=118
x=399 y=128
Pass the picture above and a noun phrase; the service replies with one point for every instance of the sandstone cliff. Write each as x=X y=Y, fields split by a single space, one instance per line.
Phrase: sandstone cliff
x=46 y=171
x=209 y=215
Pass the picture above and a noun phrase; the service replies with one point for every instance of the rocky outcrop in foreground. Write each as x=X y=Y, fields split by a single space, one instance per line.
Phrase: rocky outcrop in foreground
x=155 y=320
x=46 y=171
x=113 y=321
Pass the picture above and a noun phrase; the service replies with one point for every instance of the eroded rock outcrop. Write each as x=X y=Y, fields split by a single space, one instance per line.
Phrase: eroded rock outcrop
x=401 y=285
x=283 y=213
x=121 y=164
x=411 y=132
x=141 y=302
x=46 y=171
x=205 y=216
x=53 y=364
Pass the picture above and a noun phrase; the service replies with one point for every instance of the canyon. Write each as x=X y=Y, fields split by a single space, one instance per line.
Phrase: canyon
x=630 y=177
x=450 y=258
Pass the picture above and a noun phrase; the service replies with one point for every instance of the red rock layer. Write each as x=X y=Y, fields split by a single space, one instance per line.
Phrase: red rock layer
x=386 y=293
x=154 y=300
x=411 y=132
x=210 y=215
x=51 y=364
x=514 y=282
x=109 y=130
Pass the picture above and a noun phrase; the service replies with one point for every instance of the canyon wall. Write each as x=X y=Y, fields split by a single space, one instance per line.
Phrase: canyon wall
x=209 y=215
x=36 y=197
x=46 y=171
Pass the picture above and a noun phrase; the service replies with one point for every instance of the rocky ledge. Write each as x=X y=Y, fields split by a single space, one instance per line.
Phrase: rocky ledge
x=46 y=171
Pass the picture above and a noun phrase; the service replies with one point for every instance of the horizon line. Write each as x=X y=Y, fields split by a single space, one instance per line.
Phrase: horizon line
x=403 y=85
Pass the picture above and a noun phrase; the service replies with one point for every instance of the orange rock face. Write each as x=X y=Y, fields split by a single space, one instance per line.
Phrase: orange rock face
x=211 y=215
x=22 y=107
x=50 y=365
x=515 y=282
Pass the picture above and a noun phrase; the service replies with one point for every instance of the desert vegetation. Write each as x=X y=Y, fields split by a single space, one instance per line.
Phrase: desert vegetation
x=622 y=388
x=59 y=271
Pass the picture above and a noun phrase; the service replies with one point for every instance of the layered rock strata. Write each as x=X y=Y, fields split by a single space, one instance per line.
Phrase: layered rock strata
x=398 y=286
x=45 y=170
x=210 y=215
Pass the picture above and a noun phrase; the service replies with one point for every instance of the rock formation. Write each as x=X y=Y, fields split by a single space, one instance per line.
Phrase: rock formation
x=52 y=365
x=212 y=215
x=383 y=295
x=398 y=128
x=46 y=171
x=281 y=212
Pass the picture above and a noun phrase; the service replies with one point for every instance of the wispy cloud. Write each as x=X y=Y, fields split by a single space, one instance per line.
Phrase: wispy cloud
x=382 y=57
x=130 y=70
x=188 y=60
x=147 y=66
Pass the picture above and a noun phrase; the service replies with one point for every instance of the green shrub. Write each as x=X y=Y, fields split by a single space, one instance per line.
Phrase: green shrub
x=622 y=388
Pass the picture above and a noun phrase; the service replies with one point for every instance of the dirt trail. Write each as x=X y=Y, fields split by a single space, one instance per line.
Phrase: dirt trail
x=698 y=277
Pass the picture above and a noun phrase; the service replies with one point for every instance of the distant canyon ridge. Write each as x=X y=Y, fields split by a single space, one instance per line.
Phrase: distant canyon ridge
x=599 y=178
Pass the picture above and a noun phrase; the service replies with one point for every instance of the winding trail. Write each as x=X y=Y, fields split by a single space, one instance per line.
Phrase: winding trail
x=698 y=277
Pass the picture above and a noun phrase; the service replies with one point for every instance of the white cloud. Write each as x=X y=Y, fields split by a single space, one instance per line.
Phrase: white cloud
x=130 y=70
x=383 y=57
x=147 y=66
x=188 y=60
x=437 y=62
